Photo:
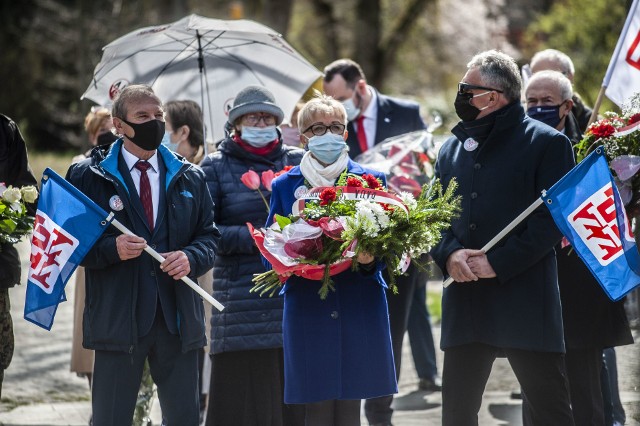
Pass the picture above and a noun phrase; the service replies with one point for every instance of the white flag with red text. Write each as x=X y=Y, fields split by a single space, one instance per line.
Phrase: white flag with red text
x=622 y=79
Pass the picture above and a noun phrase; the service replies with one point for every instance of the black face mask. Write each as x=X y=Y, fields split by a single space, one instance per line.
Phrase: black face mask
x=106 y=138
x=464 y=109
x=148 y=135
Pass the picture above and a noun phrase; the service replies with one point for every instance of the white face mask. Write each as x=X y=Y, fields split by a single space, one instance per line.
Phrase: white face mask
x=352 y=111
x=259 y=136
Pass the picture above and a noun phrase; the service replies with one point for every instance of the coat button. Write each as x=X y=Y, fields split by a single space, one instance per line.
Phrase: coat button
x=153 y=273
x=474 y=195
x=477 y=166
x=472 y=226
x=153 y=246
x=334 y=315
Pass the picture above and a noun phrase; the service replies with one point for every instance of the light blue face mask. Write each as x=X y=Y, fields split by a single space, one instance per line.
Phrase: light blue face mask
x=258 y=137
x=352 y=110
x=166 y=141
x=327 y=148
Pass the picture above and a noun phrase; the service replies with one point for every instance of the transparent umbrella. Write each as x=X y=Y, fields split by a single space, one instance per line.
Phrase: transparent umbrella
x=205 y=60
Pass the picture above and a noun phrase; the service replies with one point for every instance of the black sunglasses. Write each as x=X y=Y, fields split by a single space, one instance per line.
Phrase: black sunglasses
x=464 y=88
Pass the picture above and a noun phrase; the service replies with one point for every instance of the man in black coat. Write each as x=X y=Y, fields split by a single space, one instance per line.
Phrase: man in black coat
x=506 y=301
x=373 y=117
x=15 y=171
x=591 y=321
x=136 y=308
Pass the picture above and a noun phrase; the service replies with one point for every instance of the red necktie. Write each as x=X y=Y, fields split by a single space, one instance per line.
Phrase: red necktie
x=145 y=191
x=362 y=136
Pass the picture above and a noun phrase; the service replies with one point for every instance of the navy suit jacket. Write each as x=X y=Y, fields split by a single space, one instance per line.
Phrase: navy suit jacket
x=395 y=117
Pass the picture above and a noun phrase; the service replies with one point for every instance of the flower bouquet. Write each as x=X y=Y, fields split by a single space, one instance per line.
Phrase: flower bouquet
x=14 y=220
x=324 y=236
x=620 y=137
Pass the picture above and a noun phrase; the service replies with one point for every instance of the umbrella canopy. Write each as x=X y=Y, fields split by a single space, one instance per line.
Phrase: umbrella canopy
x=205 y=60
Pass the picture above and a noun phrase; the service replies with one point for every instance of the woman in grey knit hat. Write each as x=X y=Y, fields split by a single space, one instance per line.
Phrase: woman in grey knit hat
x=247 y=376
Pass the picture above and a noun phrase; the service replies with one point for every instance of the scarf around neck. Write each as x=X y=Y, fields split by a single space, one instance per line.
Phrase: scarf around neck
x=319 y=175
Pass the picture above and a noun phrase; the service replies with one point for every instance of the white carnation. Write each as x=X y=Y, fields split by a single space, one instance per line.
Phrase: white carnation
x=409 y=200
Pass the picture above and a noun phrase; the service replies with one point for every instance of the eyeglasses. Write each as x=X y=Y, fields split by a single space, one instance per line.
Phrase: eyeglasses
x=253 y=119
x=319 y=129
x=465 y=88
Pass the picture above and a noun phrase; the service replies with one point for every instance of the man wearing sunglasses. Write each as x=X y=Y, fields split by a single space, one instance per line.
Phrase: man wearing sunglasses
x=504 y=302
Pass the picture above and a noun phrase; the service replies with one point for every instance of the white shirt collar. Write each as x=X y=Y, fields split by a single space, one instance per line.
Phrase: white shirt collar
x=131 y=159
x=372 y=109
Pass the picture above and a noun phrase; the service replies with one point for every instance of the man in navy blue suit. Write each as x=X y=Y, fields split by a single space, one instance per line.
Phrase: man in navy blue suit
x=373 y=117
x=136 y=308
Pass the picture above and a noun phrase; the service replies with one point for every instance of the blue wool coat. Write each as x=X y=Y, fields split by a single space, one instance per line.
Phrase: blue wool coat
x=520 y=308
x=340 y=347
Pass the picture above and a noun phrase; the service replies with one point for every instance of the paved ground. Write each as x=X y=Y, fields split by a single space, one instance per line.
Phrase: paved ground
x=39 y=389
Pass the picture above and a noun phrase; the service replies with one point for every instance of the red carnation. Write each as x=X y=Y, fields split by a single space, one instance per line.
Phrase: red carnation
x=353 y=181
x=602 y=130
x=328 y=196
x=372 y=182
x=634 y=119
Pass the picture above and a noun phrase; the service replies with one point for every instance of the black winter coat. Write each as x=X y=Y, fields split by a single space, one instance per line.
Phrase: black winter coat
x=521 y=307
x=110 y=309
x=590 y=318
x=15 y=171
x=248 y=320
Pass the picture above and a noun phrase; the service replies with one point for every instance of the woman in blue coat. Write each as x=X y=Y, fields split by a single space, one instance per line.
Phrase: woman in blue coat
x=337 y=351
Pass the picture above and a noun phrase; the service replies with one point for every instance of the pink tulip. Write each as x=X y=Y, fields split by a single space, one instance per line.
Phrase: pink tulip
x=251 y=180
x=267 y=178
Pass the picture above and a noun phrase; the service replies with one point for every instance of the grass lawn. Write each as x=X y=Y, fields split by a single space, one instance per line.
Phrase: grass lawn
x=59 y=162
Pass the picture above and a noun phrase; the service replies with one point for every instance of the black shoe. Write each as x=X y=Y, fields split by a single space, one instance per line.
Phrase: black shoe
x=430 y=385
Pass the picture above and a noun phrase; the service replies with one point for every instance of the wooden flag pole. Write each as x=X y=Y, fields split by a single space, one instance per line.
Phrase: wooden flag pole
x=596 y=107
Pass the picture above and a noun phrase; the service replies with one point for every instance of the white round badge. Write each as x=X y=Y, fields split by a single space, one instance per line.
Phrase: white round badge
x=300 y=192
x=116 y=203
x=470 y=144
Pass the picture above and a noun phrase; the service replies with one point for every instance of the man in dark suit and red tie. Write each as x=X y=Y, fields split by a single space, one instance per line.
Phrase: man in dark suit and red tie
x=373 y=117
x=381 y=116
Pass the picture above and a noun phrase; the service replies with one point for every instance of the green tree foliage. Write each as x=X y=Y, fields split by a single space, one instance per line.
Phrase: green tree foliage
x=587 y=31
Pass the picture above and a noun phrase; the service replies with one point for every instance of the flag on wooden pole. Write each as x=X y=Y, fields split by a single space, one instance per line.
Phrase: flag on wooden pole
x=623 y=74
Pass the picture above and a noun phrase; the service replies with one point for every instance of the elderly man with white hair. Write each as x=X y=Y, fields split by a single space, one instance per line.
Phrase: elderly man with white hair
x=555 y=60
x=591 y=322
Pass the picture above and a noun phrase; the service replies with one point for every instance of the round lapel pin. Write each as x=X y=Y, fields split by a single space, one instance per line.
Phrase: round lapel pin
x=116 y=203
x=470 y=144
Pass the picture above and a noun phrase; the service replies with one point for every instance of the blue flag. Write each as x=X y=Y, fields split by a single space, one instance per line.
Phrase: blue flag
x=67 y=225
x=587 y=209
